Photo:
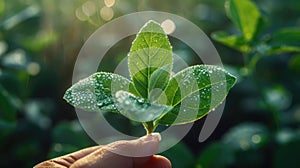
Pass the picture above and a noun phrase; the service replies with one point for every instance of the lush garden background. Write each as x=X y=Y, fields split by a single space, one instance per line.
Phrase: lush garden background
x=40 y=40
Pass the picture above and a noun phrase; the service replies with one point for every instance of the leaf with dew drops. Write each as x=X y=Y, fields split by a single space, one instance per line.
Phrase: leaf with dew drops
x=95 y=92
x=194 y=92
x=151 y=50
x=152 y=97
x=139 y=109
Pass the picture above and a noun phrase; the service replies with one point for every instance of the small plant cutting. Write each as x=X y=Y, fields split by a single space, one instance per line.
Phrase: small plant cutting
x=153 y=96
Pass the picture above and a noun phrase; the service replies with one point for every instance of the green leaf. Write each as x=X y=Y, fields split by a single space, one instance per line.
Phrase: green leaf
x=74 y=139
x=8 y=109
x=287 y=155
x=284 y=41
x=151 y=98
x=138 y=109
x=194 y=92
x=286 y=37
x=150 y=51
x=72 y=132
x=253 y=135
x=283 y=49
x=184 y=159
x=245 y=15
x=233 y=41
x=8 y=105
x=294 y=63
x=216 y=155
x=96 y=92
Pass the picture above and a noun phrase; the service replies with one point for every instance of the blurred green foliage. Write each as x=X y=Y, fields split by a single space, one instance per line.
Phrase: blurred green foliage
x=39 y=42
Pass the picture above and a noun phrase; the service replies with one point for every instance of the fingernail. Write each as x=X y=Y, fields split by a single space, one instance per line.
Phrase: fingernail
x=157 y=135
x=152 y=137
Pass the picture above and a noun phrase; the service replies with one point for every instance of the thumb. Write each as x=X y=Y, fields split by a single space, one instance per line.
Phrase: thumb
x=122 y=153
x=144 y=146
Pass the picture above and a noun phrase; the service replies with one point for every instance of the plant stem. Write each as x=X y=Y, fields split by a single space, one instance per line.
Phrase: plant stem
x=149 y=127
x=252 y=63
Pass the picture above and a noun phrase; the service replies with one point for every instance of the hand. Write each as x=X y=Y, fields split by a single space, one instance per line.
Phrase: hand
x=104 y=157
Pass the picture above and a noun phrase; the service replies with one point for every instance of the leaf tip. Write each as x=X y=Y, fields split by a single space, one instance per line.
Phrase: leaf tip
x=152 y=26
x=68 y=96
x=152 y=22
x=232 y=80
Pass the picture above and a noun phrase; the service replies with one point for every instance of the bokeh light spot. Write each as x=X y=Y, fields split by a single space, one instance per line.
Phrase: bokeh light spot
x=58 y=147
x=15 y=58
x=109 y=3
x=33 y=68
x=80 y=15
x=3 y=47
x=244 y=144
x=89 y=8
x=256 y=139
x=106 y=13
x=168 y=26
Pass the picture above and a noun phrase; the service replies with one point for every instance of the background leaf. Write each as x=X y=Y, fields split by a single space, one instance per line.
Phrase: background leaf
x=286 y=153
x=8 y=110
x=74 y=139
x=246 y=136
x=294 y=63
x=151 y=50
x=283 y=49
x=191 y=91
x=233 y=41
x=96 y=92
x=285 y=41
x=215 y=155
x=245 y=15
x=184 y=160
x=286 y=36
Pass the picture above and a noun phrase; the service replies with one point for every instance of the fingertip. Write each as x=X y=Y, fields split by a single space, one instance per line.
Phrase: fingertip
x=157 y=161
x=151 y=137
x=156 y=135
x=142 y=147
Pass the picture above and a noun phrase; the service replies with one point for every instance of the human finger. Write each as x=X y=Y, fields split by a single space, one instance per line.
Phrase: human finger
x=125 y=154
x=67 y=160
x=157 y=161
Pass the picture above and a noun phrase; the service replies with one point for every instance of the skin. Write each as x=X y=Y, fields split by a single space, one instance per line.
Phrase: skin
x=141 y=151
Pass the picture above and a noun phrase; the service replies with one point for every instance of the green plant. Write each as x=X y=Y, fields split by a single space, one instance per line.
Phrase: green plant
x=152 y=96
x=254 y=44
x=251 y=40
x=244 y=143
